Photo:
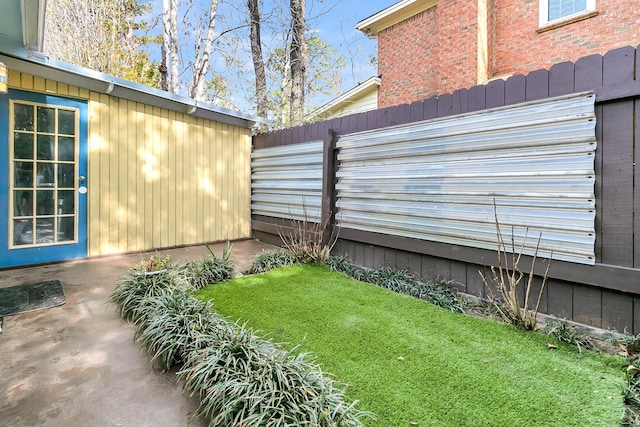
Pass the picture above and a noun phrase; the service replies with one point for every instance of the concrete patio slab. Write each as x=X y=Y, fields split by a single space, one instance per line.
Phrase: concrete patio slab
x=78 y=365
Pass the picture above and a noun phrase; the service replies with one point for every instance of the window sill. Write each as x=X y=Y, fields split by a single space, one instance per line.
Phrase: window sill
x=561 y=23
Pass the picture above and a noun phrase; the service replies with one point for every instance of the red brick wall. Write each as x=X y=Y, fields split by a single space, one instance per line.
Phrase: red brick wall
x=458 y=49
x=418 y=59
x=519 y=48
x=435 y=52
x=406 y=54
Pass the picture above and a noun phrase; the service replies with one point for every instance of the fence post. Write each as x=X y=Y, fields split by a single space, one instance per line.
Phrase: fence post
x=328 y=185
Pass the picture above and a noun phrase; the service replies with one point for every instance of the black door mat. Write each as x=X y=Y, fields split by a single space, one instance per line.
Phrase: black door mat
x=31 y=297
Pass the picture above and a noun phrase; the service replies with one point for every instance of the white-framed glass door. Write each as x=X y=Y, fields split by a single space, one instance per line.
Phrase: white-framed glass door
x=45 y=185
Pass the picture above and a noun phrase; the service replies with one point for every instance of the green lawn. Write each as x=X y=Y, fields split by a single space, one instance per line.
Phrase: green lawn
x=409 y=361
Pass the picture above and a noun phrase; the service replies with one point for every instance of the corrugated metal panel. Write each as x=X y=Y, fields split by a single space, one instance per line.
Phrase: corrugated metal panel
x=287 y=181
x=437 y=180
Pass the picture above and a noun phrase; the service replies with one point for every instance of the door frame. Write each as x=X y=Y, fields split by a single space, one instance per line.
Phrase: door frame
x=43 y=254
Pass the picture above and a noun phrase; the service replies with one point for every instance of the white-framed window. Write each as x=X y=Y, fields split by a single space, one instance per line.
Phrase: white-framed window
x=559 y=10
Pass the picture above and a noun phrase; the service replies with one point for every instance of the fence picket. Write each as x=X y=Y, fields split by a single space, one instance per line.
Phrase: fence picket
x=495 y=93
x=477 y=98
x=588 y=73
x=515 y=90
x=537 y=86
x=561 y=78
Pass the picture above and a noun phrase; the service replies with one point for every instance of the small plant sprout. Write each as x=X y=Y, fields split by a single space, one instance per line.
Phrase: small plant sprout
x=506 y=278
x=565 y=332
x=156 y=263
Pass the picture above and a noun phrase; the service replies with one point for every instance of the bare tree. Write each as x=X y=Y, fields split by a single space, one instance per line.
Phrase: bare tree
x=203 y=54
x=298 y=60
x=285 y=90
x=258 y=60
x=289 y=66
x=266 y=33
x=298 y=63
x=196 y=28
x=323 y=76
x=170 y=44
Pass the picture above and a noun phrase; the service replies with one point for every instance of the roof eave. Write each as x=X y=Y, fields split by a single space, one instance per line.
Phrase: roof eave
x=39 y=65
x=395 y=13
x=369 y=85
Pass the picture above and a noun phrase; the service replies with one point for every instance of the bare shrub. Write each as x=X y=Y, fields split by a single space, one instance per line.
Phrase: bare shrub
x=506 y=278
x=307 y=237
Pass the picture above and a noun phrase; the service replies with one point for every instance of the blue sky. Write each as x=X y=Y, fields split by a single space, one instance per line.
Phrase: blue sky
x=338 y=28
x=335 y=22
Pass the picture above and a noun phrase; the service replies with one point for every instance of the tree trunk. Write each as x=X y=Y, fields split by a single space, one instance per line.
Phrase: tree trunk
x=170 y=40
x=203 y=54
x=285 y=89
x=258 y=60
x=298 y=55
x=163 y=68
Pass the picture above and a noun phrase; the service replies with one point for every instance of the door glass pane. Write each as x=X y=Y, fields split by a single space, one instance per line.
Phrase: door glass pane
x=23 y=174
x=66 y=202
x=45 y=202
x=45 y=174
x=46 y=120
x=66 y=229
x=46 y=147
x=66 y=148
x=66 y=175
x=23 y=146
x=23 y=203
x=22 y=232
x=23 y=117
x=44 y=230
x=43 y=184
x=67 y=122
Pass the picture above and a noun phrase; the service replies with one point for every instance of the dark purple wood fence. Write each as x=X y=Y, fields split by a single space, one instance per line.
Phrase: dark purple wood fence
x=605 y=295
